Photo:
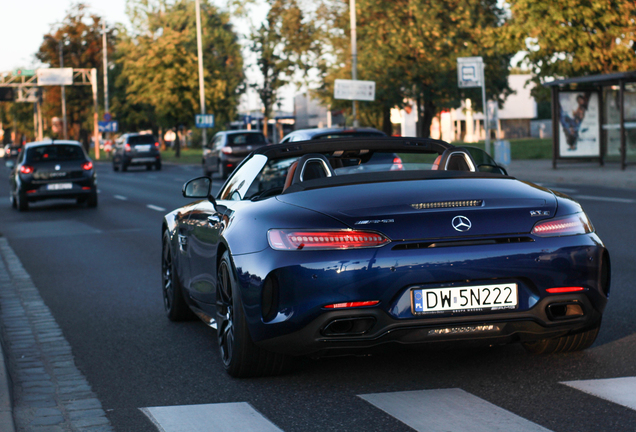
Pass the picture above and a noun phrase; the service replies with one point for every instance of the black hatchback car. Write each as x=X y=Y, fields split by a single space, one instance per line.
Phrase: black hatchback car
x=136 y=149
x=53 y=169
x=228 y=149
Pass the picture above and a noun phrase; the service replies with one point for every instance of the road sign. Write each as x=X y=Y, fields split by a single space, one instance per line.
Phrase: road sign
x=55 y=76
x=108 y=126
x=24 y=72
x=204 y=121
x=470 y=72
x=107 y=117
x=354 y=90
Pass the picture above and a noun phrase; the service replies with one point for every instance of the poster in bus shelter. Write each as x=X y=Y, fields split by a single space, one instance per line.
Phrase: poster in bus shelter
x=579 y=124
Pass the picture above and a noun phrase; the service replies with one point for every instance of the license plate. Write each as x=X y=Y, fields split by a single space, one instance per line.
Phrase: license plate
x=465 y=299
x=143 y=148
x=59 y=186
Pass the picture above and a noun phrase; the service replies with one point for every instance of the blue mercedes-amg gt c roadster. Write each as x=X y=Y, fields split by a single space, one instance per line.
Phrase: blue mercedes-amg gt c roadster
x=337 y=246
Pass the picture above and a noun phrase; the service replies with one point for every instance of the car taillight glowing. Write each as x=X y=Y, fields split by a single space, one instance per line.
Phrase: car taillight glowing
x=561 y=290
x=227 y=150
x=574 y=224
x=26 y=169
x=324 y=240
x=127 y=147
x=87 y=166
x=352 y=304
x=397 y=164
x=157 y=145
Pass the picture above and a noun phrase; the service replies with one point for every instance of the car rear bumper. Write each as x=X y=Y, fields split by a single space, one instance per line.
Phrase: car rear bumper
x=307 y=281
x=39 y=192
x=142 y=160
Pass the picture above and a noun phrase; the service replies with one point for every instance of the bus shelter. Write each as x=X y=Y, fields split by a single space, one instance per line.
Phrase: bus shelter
x=594 y=118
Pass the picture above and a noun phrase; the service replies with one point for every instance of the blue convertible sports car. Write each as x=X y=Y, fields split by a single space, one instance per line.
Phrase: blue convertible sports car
x=307 y=250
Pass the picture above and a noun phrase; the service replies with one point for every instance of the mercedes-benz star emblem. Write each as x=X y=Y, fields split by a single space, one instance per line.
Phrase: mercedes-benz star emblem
x=461 y=223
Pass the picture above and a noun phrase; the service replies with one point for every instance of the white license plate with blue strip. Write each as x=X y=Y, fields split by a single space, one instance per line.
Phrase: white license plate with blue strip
x=465 y=299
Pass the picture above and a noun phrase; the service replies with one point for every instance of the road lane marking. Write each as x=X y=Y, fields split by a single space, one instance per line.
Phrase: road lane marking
x=157 y=208
x=449 y=410
x=221 y=417
x=621 y=391
x=120 y=197
x=607 y=199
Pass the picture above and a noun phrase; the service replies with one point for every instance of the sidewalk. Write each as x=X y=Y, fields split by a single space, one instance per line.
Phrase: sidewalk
x=585 y=173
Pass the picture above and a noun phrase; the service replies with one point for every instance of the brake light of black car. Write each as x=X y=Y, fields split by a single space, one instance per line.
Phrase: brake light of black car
x=156 y=145
x=324 y=239
x=577 y=223
x=397 y=164
x=87 y=166
x=127 y=147
x=26 y=169
x=561 y=290
x=227 y=150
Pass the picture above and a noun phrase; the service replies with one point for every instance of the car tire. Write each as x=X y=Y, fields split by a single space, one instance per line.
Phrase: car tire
x=124 y=167
x=158 y=166
x=22 y=203
x=173 y=299
x=13 y=201
x=222 y=171
x=240 y=356
x=92 y=200
x=567 y=343
x=148 y=167
x=115 y=167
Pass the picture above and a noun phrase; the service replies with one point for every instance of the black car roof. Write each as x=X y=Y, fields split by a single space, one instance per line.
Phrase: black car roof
x=54 y=142
x=394 y=144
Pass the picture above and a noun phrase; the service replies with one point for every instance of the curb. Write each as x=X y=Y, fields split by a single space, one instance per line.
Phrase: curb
x=6 y=400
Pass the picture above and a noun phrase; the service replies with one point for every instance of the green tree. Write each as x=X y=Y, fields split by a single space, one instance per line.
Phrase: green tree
x=569 y=38
x=159 y=68
x=285 y=44
x=410 y=49
x=80 y=38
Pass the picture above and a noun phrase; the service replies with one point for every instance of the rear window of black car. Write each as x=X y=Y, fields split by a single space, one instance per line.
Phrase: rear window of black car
x=55 y=153
x=141 y=139
x=245 y=139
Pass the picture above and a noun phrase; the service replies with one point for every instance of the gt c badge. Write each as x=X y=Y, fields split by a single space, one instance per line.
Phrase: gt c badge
x=539 y=213
x=461 y=223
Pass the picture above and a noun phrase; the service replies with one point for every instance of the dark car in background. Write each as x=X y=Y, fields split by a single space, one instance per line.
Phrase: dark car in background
x=330 y=133
x=12 y=151
x=228 y=149
x=53 y=169
x=136 y=149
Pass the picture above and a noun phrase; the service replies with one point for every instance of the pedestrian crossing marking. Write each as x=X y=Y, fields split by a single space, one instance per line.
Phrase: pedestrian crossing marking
x=221 y=417
x=621 y=391
x=449 y=410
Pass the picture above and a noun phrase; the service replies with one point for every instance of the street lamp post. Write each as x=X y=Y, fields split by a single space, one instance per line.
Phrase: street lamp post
x=200 y=56
x=354 y=55
x=64 y=124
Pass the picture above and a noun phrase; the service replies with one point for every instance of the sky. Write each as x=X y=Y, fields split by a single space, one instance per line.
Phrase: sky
x=25 y=22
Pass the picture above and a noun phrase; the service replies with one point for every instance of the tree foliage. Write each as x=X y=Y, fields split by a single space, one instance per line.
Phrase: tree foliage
x=410 y=49
x=285 y=44
x=568 y=38
x=80 y=35
x=159 y=68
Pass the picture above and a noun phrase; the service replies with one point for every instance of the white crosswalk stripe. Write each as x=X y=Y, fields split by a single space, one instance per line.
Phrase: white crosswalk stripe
x=449 y=410
x=621 y=391
x=222 y=417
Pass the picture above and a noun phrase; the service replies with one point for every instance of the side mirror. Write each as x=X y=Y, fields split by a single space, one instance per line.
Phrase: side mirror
x=198 y=188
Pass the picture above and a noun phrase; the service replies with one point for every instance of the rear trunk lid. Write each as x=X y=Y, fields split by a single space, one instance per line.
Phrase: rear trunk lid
x=431 y=209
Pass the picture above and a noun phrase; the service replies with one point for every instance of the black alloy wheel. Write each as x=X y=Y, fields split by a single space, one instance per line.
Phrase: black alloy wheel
x=241 y=357
x=173 y=301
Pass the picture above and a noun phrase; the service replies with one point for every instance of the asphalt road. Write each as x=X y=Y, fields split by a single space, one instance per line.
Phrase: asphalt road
x=98 y=270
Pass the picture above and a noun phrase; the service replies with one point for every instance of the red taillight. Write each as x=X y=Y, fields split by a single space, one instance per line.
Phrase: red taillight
x=324 y=240
x=87 y=166
x=32 y=191
x=86 y=188
x=227 y=150
x=127 y=147
x=157 y=145
x=26 y=169
x=561 y=290
x=352 y=304
x=574 y=224
x=397 y=164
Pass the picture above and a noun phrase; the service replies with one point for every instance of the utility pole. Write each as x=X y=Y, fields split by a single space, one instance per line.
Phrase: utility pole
x=200 y=56
x=354 y=56
x=105 y=61
x=64 y=124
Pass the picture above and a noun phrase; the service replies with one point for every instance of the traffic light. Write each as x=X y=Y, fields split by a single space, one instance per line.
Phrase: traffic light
x=6 y=94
